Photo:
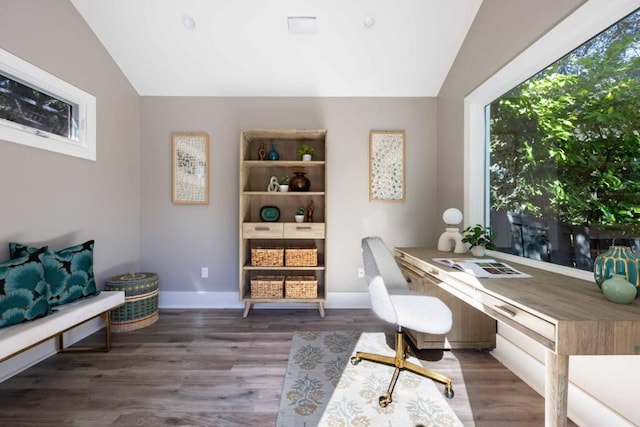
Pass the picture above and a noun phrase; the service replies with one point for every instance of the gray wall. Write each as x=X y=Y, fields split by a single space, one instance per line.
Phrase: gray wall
x=502 y=29
x=49 y=198
x=176 y=241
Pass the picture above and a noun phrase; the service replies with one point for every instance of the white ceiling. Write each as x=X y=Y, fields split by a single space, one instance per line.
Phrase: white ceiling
x=243 y=48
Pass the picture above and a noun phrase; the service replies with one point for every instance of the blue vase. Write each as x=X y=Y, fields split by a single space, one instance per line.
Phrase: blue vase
x=273 y=154
x=617 y=260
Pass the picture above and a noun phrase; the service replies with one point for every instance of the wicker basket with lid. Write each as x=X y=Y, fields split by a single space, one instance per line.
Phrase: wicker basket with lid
x=140 y=307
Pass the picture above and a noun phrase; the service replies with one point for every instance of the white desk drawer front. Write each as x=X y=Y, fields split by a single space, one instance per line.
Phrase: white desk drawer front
x=526 y=319
x=304 y=230
x=262 y=230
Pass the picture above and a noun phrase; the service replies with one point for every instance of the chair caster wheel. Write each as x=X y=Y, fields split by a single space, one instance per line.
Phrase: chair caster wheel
x=384 y=401
x=448 y=392
x=355 y=360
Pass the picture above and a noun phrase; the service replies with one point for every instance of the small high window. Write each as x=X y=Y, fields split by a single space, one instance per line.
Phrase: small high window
x=42 y=111
x=27 y=106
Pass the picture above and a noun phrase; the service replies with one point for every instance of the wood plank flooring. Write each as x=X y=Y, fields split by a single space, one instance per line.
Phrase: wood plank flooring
x=214 y=368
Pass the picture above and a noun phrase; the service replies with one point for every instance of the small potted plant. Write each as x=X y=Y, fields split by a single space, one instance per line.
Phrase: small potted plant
x=300 y=214
x=283 y=182
x=479 y=239
x=305 y=152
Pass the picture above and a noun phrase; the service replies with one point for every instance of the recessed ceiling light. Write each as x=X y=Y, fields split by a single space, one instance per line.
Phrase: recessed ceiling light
x=301 y=24
x=188 y=22
x=369 y=21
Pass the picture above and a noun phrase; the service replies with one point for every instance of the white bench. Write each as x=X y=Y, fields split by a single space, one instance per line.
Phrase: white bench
x=15 y=339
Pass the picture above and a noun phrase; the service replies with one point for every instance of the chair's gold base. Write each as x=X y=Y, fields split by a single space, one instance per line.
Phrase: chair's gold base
x=401 y=364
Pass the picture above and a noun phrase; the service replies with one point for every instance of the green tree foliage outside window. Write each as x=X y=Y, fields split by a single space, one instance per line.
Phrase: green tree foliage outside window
x=565 y=144
x=31 y=107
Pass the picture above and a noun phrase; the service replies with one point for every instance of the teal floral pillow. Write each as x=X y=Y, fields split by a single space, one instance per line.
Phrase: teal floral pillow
x=17 y=250
x=69 y=272
x=24 y=293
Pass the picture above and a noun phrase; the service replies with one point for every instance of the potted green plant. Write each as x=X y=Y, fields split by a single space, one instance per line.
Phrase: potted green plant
x=479 y=239
x=305 y=152
x=283 y=182
x=300 y=214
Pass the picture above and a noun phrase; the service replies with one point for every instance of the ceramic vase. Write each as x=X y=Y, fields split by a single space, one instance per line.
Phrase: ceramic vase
x=617 y=260
x=299 y=182
x=619 y=290
x=273 y=154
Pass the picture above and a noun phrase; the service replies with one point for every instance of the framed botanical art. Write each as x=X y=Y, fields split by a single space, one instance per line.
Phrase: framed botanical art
x=190 y=169
x=386 y=166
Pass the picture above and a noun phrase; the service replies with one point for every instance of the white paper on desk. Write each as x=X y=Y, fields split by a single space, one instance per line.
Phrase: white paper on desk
x=482 y=267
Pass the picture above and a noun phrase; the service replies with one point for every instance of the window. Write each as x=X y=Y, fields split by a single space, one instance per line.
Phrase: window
x=42 y=111
x=559 y=154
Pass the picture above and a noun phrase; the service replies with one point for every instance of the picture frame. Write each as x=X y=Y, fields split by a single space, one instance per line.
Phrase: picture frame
x=190 y=168
x=387 y=166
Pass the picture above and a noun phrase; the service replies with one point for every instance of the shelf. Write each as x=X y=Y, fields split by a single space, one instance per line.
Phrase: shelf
x=283 y=163
x=284 y=268
x=259 y=300
x=283 y=194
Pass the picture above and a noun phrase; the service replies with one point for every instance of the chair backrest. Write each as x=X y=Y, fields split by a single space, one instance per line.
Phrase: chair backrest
x=382 y=273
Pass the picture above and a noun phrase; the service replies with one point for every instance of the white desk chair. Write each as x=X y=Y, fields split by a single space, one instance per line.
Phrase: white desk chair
x=394 y=302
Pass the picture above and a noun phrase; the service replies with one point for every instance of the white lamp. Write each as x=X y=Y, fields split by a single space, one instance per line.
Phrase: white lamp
x=451 y=239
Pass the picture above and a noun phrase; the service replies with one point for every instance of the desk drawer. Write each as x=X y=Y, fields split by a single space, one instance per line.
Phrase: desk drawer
x=436 y=277
x=262 y=230
x=525 y=319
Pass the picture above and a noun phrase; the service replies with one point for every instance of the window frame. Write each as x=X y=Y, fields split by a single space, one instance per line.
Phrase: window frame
x=587 y=21
x=30 y=75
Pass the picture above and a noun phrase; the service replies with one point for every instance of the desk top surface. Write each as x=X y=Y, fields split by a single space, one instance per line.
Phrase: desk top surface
x=571 y=304
x=558 y=296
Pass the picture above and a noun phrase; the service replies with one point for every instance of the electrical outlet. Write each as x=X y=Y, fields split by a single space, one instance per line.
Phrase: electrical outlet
x=360 y=272
x=205 y=272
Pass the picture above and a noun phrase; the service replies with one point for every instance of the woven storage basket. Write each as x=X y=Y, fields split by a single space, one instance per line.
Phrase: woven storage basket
x=267 y=257
x=140 y=307
x=267 y=287
x=301 y=287
x=301 y=257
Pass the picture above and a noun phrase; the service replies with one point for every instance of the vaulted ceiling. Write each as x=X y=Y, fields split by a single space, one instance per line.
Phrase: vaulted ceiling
x=243 y=47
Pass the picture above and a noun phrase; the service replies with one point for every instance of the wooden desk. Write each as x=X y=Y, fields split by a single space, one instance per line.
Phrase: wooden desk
x=566 y=315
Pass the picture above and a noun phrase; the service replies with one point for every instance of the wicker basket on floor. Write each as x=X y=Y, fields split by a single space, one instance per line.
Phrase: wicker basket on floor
x=267 y=257
x=141 y=301
x=267 y=287
x=301 y=287
x=301 y=257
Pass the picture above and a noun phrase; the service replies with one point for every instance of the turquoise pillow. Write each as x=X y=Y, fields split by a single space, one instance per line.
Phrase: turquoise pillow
x=69 y=272
x=24 y=293
x=17 y=250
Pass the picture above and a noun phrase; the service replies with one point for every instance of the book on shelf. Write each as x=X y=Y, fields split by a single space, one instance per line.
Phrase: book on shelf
x=482 y=267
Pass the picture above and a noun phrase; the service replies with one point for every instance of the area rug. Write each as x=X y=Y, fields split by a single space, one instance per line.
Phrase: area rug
x=322 y=388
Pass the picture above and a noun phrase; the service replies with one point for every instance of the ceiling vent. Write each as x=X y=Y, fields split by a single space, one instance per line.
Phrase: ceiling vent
x=302 y=24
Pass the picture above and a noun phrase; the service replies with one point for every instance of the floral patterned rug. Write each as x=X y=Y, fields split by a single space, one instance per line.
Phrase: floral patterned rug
x=322 y=388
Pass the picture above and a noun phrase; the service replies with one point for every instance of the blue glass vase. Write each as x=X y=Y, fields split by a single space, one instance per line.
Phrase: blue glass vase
x=617 y=260
x=273 y=154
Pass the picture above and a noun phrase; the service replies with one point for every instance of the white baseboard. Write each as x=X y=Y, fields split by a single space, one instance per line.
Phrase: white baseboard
x=168 y=300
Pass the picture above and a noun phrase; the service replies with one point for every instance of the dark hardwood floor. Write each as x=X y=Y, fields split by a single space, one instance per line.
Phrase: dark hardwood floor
x=214 y=368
